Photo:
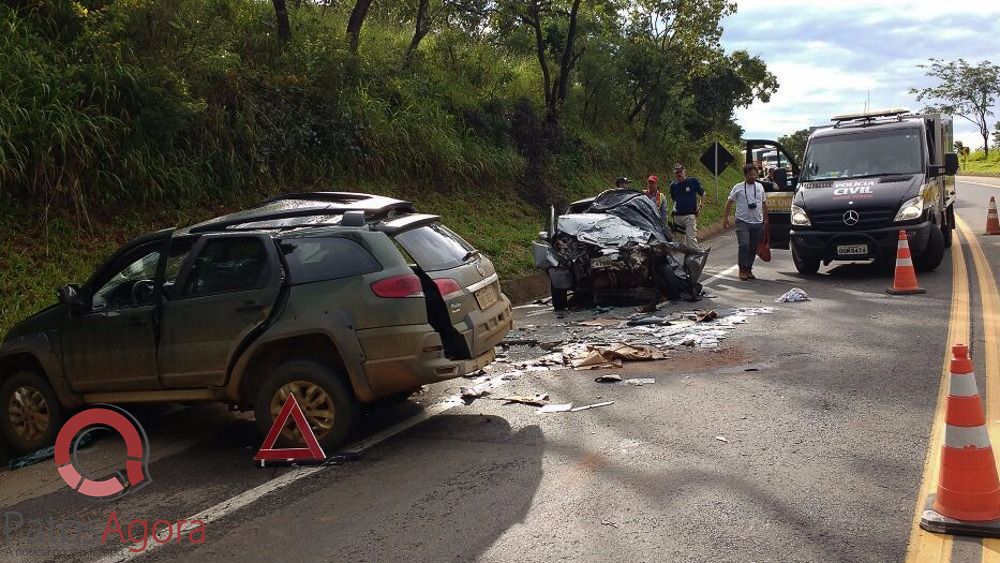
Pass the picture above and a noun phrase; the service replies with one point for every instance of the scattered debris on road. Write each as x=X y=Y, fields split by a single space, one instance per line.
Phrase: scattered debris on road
x=539 y=400
x=640 y=381
x=593 y=406
x=722 y=439
x=561 y=407
x=794 y=295
x=608 y=378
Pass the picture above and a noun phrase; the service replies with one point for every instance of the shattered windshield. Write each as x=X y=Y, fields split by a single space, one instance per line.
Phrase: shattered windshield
x=867 y=153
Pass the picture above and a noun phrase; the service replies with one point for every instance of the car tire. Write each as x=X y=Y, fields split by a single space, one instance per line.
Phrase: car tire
x=803 y=264
x=318 y=388
x=27 y=393
x=931 y=257
x=560 y=298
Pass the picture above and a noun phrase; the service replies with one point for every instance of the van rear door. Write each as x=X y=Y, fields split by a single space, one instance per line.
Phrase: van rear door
x=780 y=190
x=465 y=304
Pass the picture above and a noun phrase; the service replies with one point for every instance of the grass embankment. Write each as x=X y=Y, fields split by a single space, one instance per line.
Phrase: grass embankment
x=977 y=164
x=39 y=254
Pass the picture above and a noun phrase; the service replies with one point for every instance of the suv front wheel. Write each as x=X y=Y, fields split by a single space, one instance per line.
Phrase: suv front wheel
x=324 y=396
x=30 y=414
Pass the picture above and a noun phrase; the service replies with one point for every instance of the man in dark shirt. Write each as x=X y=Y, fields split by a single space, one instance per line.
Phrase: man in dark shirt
x=687 y=194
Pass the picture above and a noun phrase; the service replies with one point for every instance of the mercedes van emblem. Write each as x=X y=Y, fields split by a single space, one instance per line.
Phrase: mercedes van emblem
x=851 y=217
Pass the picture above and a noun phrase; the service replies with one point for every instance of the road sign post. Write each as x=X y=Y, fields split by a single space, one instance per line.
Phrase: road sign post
x=716 y=158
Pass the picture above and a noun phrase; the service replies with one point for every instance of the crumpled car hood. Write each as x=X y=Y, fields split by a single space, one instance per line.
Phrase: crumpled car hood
x=603 y=230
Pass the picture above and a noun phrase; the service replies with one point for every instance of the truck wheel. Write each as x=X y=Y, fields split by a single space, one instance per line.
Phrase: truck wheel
x=946 y=231
x=560 y=301
x=933 y=254
x=324 y=396
x=30 y=414
x=803 y=264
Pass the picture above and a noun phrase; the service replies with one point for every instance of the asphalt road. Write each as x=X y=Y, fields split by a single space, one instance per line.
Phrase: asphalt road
x=802 y=437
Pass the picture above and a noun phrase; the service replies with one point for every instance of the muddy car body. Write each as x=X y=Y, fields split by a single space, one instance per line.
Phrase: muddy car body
x=341 y=299
x=612 y=248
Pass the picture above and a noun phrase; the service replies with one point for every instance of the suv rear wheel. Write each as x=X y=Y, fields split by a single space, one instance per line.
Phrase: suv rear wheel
x=30 y=414
x=324 y=396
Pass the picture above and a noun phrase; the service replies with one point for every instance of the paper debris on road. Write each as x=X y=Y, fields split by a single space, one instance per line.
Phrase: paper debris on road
x=640 y=381
x=794 y=295
x=600 y=322
x=608 y=378
x=559 y=407
x=469 y=394
x=539 y=400
x=593 y=406
x=702 y=317
x=648 y=320
x=722 y=439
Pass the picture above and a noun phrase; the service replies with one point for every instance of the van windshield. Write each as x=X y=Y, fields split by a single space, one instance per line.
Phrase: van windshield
x=868 y=153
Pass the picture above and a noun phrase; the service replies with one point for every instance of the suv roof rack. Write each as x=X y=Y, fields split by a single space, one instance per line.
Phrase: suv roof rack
x=867 y=117
x=374 y=207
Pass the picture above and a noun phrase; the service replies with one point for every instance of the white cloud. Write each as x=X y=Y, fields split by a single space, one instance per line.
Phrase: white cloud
x=833 y=57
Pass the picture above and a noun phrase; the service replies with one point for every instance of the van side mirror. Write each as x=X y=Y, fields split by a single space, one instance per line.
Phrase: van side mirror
x=70 y=295
x=950 y=163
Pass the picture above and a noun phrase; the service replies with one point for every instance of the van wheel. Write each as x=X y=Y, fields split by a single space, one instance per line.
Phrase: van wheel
x=946 y=233
x=323 y=395
x=30 y=414
x=560 y=300
x=804 y=265
x=931 y=257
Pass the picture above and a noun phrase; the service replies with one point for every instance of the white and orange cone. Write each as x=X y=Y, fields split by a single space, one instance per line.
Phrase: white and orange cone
x=992 y=222
x=968 y=495
x=905 y=280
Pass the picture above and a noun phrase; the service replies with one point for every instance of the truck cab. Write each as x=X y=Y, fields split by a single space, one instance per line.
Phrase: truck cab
x=865 y=178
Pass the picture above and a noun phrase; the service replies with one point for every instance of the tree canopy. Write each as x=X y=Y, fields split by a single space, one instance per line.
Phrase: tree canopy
x=168 y=99
x=969 y=91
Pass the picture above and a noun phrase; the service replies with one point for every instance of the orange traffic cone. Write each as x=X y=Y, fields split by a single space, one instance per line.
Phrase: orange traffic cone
x=992 y=222
x=905 y=282
x=968 y=494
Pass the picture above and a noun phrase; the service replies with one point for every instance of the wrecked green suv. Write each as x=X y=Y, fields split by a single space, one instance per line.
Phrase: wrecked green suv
x=339 y=298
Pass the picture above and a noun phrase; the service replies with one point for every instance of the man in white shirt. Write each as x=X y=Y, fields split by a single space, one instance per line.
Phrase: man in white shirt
x=751 y=218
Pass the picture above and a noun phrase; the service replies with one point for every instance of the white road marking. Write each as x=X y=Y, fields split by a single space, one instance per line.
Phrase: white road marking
x=721 y=274
x=979 y=184
x=231 y=505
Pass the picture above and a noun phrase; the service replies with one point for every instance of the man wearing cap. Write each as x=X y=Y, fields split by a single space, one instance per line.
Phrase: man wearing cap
x=653 y=193
x=687 y=194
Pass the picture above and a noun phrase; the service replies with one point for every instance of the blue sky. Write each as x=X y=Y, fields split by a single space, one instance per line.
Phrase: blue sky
x=829 y=56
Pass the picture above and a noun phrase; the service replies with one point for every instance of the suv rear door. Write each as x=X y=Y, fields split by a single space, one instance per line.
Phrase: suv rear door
x=779 y=192
x=461 y=285
x=226 y=290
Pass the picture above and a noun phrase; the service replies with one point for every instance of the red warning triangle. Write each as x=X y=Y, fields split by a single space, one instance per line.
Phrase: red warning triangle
x=313 y=451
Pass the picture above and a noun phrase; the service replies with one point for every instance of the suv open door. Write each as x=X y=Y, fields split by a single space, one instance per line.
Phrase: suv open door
x=780 y=186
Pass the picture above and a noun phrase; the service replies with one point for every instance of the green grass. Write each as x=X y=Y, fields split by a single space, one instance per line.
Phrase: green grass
x=978 y=165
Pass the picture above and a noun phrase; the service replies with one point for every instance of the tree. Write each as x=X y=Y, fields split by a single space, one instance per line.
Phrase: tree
x=281 y=12
x=554 y=46
x=996 y=135
x=357 y=19
x=796 y=142
x=964 y=90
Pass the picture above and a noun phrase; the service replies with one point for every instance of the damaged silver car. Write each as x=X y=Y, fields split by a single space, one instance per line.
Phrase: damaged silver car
x=612 y=249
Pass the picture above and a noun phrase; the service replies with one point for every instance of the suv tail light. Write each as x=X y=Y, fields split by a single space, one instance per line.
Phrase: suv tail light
x=447 y=286
x=407 y=285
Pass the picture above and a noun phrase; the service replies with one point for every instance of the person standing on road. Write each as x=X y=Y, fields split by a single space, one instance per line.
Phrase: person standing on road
x=751 y=218
x=687 y=194
x=660 y=202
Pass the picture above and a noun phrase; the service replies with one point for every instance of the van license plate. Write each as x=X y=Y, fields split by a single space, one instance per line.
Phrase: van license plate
x=852 y=250
x=487 y=296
